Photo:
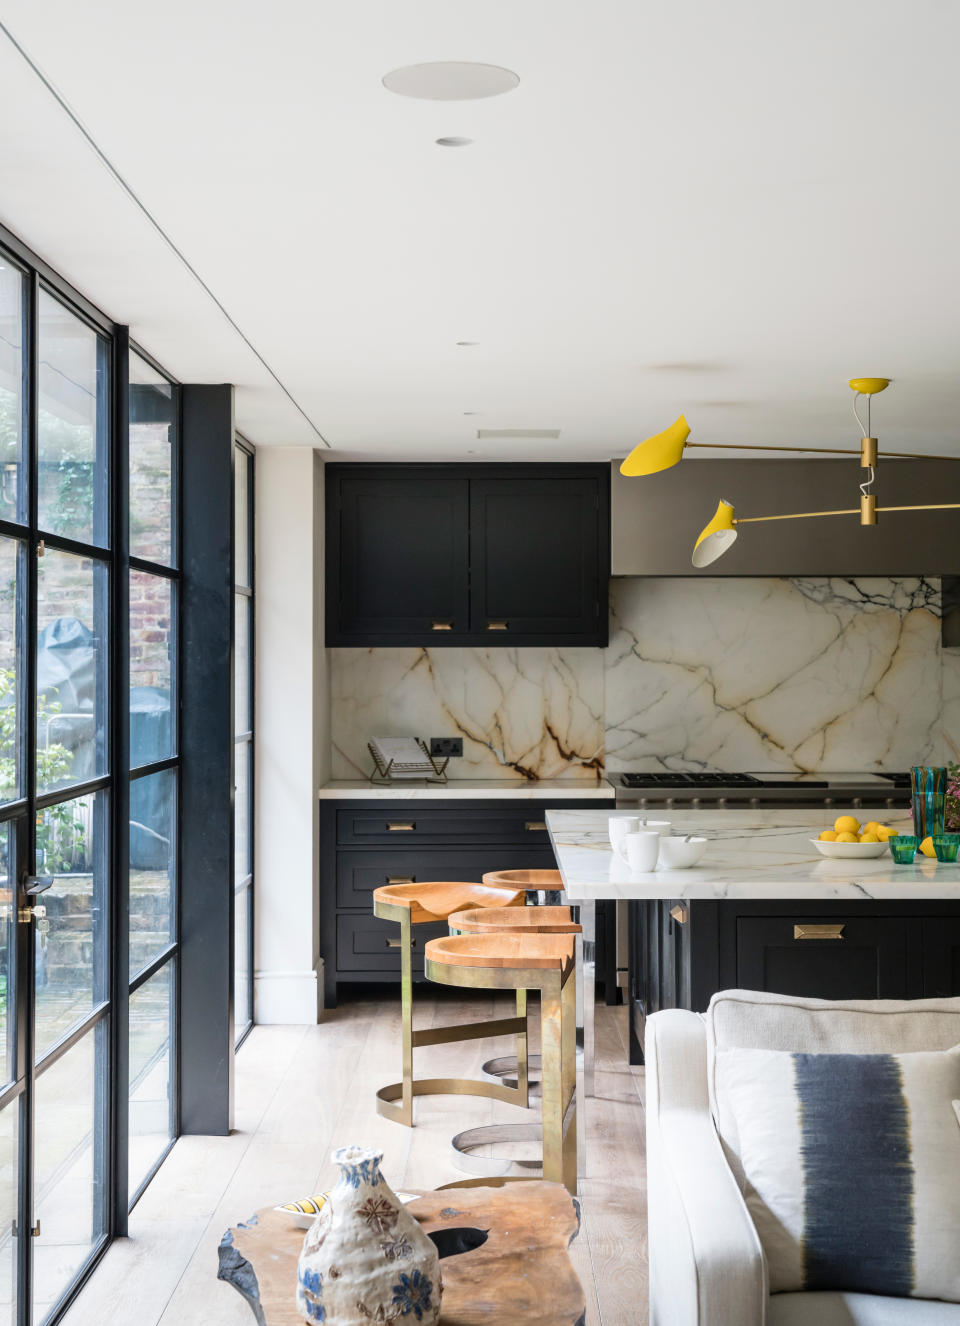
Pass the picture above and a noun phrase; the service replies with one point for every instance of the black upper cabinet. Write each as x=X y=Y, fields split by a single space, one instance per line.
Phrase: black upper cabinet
x=467 y=554
x=397 y=557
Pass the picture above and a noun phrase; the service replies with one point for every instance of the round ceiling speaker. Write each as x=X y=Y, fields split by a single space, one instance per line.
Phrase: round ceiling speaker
x=450 y=80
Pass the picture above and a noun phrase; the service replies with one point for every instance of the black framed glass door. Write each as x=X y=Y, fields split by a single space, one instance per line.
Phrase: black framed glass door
x=89 y=778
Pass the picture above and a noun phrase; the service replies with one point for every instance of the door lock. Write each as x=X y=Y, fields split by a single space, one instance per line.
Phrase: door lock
x=28 y=914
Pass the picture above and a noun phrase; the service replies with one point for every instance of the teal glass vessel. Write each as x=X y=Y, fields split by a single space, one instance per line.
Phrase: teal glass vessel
x=903 y=848
x=946 y=846
x=928 y=785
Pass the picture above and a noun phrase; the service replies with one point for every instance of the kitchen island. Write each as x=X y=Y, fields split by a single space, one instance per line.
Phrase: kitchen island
x=764 y=910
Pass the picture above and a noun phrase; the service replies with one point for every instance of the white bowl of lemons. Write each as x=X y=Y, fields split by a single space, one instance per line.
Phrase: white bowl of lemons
x=852 y=840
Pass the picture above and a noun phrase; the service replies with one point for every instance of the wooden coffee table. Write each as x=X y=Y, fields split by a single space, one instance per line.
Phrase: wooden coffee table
x=522 y=1273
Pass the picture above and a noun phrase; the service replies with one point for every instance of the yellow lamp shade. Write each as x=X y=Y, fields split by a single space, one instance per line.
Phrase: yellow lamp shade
x=658 y=452
x=718 y=536
x=869 y=386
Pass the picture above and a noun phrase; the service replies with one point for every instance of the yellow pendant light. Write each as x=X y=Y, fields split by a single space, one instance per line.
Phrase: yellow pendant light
x=659 y=452
x=716 y=537
x=721 y=533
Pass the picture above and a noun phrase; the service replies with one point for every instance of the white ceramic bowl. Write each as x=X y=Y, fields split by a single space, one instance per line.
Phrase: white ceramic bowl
x=848 y=851
x=676 y=854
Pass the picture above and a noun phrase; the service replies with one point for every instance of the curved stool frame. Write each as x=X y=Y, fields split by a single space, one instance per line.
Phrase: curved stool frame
x=558 y=1015
x=396 y=1100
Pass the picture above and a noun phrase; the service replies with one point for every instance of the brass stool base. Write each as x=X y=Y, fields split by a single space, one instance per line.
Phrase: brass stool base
x=504 y=1068
x=494 y=1134
x=391 y=1105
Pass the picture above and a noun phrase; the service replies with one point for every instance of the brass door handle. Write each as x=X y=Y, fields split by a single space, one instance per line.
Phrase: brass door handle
x=818 y=931
x=497 y=626
x=395 y=943
x=441 y=626
x=401 y=826
x=535 y=826
x=401 y=879
x=680 y=915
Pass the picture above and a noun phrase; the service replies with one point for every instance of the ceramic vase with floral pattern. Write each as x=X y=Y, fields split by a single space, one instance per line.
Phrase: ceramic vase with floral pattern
x=365 y=1259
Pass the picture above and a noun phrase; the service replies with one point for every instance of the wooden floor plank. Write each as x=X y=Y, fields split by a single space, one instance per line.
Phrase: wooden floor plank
x=302 y=1091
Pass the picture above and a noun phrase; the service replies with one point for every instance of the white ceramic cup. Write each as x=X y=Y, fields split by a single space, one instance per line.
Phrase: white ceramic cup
x=618 y=826
x=641 y=850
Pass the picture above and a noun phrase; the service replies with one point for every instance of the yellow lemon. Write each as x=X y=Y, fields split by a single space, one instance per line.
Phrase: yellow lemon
x=885 y=833
x=869 y=838
x=871 y=826
x=845 y=837
x=926 y=847
x=846 y=824
x=828 y=836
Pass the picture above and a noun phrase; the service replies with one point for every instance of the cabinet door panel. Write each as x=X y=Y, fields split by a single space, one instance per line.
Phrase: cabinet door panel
x=941 y=957
x=868 y=961
x=400 y=556
x=535 y=557
x=367 y=944
x=413 y=825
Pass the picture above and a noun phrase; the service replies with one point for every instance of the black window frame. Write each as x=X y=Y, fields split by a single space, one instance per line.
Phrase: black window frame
x=246 y=885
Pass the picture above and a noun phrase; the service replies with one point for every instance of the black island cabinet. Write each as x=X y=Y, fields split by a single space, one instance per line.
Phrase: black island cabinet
x=486 y=555
x=681 y=953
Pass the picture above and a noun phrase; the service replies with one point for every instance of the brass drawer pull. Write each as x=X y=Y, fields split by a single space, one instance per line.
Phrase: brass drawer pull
x=535 y=826
x=441 y=626
x=818 y=931
x=401 y=879
x=395 y=943
x=679 y=914
x=401 y=826
x=497 y=626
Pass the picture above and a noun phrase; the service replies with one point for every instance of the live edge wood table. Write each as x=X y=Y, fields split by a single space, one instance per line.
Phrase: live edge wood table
x=522 y=1273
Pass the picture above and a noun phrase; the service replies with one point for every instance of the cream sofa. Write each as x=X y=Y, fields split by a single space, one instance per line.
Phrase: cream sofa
x=706 y=1264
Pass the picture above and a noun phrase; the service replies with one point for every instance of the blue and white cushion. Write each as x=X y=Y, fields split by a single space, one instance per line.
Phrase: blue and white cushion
x=852 y=1166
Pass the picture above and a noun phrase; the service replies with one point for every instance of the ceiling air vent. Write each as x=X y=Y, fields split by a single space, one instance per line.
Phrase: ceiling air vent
x=517 y=432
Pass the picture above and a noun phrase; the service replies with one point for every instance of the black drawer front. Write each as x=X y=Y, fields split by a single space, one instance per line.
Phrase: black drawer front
x=367 y=944
x=833 y=957
x=360 y=872
x=438 y=826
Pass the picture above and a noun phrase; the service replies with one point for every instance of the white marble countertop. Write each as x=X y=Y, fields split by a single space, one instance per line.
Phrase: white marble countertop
x=470 y=789
x=756 y=854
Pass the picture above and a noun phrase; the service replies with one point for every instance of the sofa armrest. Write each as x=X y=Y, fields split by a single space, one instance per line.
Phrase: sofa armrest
x=706 y=1264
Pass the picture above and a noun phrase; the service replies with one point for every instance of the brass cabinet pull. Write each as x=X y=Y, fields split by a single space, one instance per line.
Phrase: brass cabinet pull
x=395 y=943
x=497 y=626
x=401 y=826
x=401 y=879
x=818 y=931
x=680 y=915
x=441 y=626
x=535 y=826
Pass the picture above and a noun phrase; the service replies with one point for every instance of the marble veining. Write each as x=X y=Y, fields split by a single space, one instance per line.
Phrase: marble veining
x=817 y=674
x=526 y=714
x=750 y=854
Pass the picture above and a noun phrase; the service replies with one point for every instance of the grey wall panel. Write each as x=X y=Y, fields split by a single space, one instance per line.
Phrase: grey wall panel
x=656 y=519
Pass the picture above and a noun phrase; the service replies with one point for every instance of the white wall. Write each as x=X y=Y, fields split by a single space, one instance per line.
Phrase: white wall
x=291 y=733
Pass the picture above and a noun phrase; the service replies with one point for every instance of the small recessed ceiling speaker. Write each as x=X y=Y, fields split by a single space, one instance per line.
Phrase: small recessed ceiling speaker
x=453 y=142
x=450 y=80
x=518 y=432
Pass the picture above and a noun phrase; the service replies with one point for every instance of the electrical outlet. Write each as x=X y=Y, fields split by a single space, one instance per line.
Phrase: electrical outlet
x=441 y=747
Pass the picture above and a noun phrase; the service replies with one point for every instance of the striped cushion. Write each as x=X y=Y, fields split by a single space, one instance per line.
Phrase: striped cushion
x=852 y=1166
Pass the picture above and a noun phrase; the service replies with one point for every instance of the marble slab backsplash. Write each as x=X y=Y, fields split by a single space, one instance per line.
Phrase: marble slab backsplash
x=822 y=674
x=818 y=674
x=522 y=713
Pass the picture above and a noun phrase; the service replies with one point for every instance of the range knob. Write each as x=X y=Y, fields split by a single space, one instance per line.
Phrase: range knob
x=694 y=801
x=856 y=801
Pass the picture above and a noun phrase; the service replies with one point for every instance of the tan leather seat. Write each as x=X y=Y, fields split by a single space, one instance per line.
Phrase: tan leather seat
x=523 y=952
x=519 y=920
x=524 y=879
x=435 y=901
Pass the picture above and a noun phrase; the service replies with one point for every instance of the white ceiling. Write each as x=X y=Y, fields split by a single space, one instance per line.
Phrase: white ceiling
x=722 y=209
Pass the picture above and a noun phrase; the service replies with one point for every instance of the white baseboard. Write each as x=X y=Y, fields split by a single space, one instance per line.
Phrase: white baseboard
x=287 y=997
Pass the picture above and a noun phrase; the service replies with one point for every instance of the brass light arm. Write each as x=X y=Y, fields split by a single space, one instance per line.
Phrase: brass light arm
x=849 y=511
x=823 y=451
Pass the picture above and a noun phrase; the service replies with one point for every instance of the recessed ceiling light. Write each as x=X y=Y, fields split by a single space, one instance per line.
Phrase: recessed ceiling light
x=450 y=80
x=453 y=142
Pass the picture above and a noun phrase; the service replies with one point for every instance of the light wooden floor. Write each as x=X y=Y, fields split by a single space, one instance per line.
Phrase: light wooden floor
x=301 y=1092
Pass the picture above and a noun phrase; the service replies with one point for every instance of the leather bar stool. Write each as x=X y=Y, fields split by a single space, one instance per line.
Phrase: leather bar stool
x=418 y=904
x=551 y=920
x=544 y=962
